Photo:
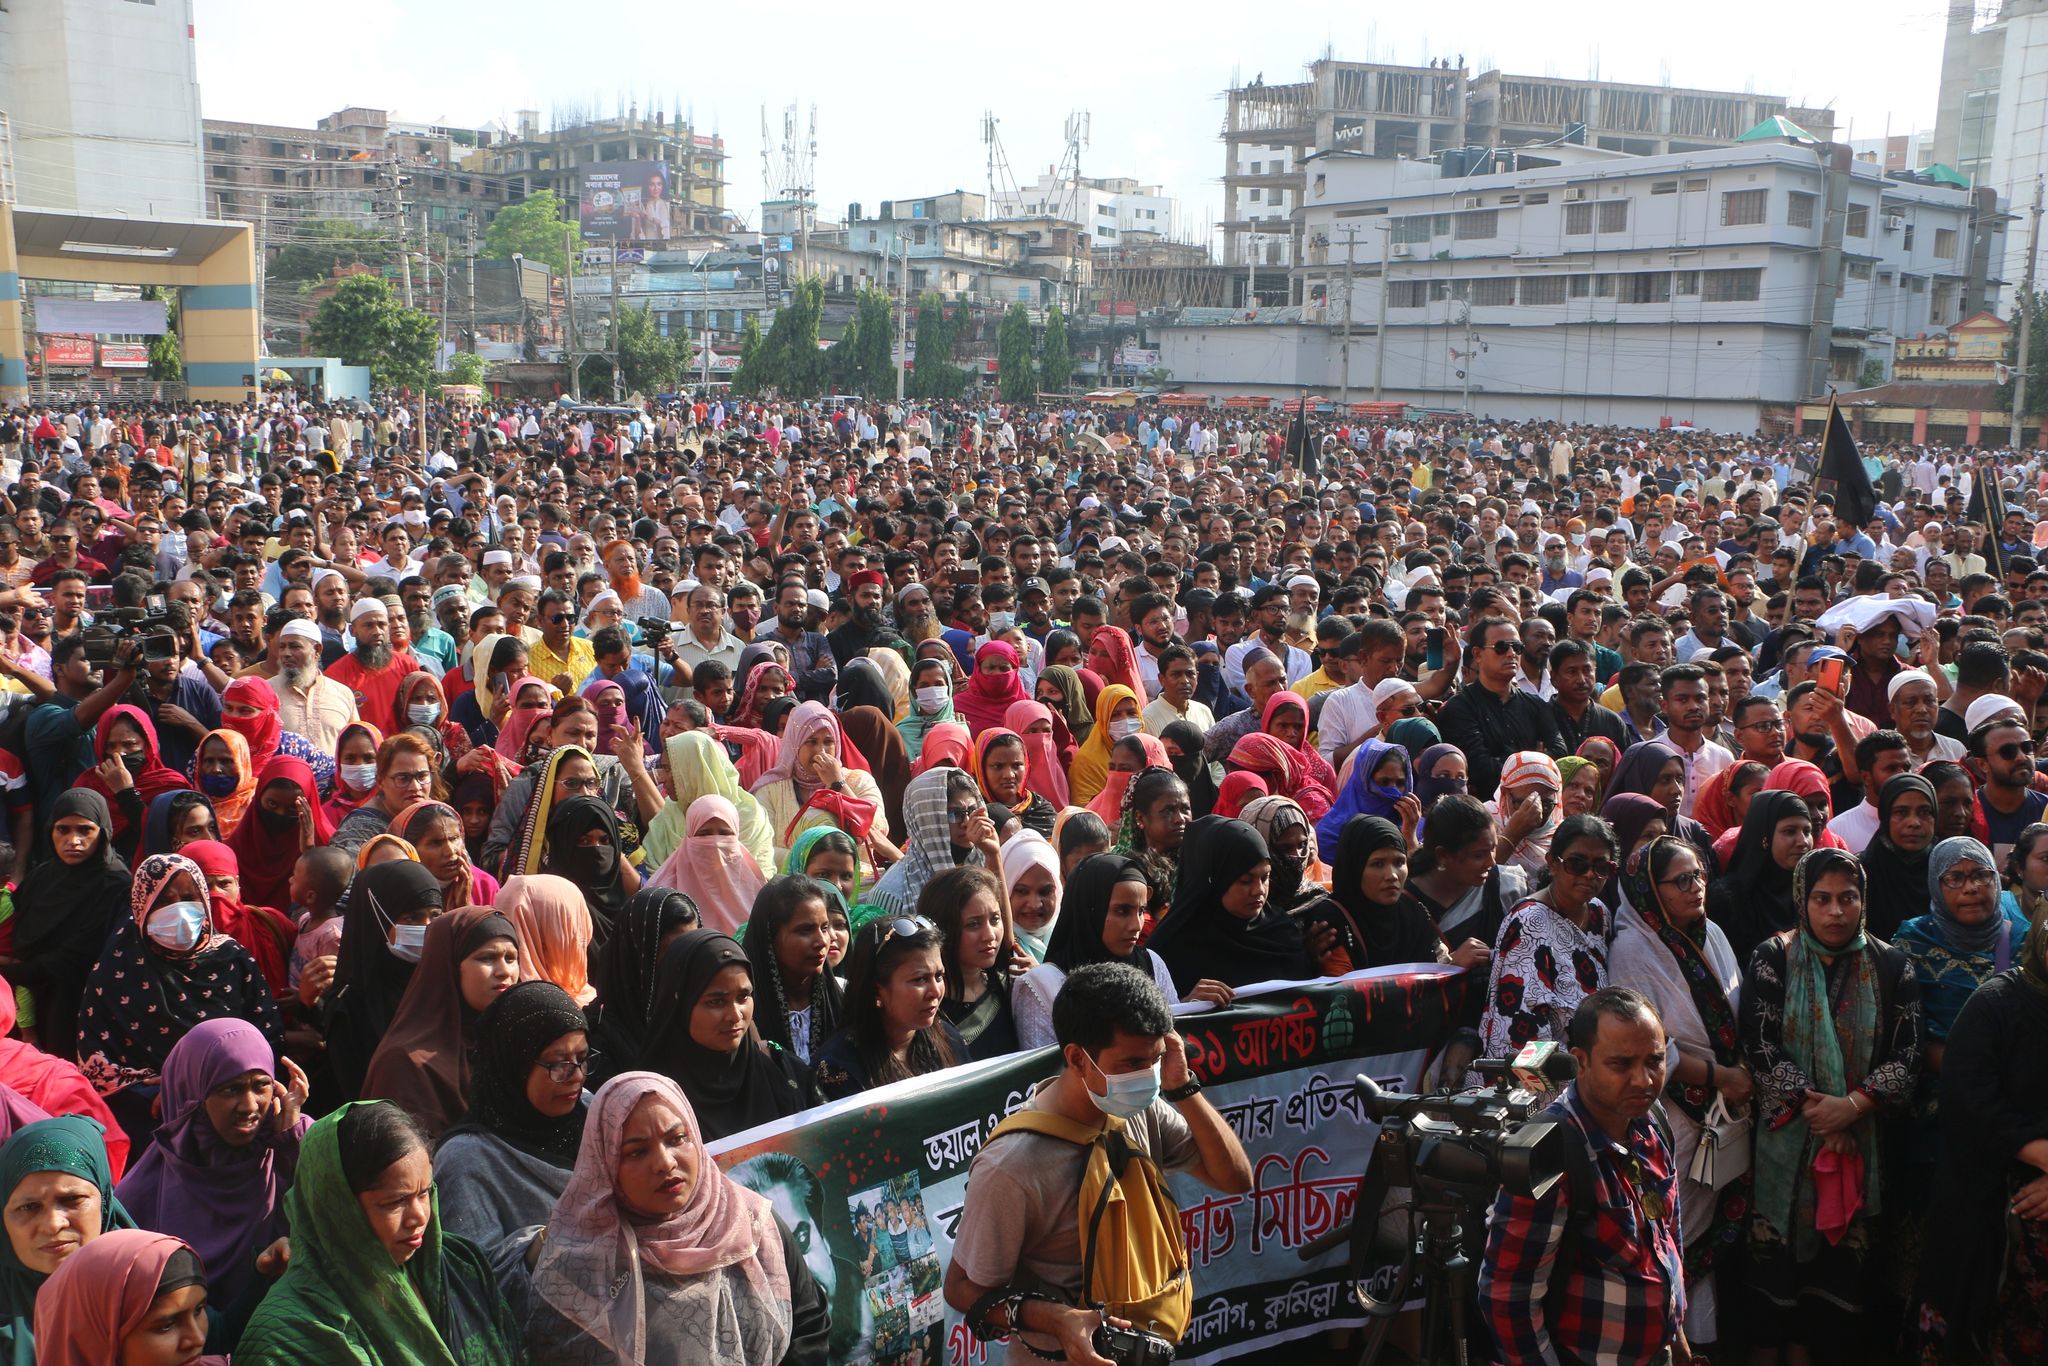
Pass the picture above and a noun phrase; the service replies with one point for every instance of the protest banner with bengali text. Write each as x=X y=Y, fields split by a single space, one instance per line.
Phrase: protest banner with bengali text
x=873 y=1186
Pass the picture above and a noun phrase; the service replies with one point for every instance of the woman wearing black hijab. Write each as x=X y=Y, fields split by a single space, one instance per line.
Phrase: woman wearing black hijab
x=1218 y=928
x=1102 y=918
x=623 y=1014
x=504 y=1164
x=1376 y=926
x=1754 y=901
x=597 y=867
x=75 y=892
x=382 y=935
x=704 y=1039
x=1895 y=862
x=1183 y=741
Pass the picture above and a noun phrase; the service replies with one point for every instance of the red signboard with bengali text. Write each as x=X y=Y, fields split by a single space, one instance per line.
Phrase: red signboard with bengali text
x=75 y=351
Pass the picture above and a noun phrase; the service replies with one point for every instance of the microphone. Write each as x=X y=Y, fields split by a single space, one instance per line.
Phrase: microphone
x=1544 y=1066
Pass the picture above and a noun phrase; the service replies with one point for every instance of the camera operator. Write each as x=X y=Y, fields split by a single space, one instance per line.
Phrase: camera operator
x=1018 y=1255
x=1596 y=1275
x=177 y=687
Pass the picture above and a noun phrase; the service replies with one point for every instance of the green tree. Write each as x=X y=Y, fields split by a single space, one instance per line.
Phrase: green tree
x=1015 y=379
x=791 y=362
x=652 y=363
x=747 y=377
x=2037 y=365
x=875 y=362
x=317 y=247
x=364 y=324
x=533 y=228
x=464 y=367
x=1055 y=360
x=166 y=359
x=1872 y=374
x=935 y=375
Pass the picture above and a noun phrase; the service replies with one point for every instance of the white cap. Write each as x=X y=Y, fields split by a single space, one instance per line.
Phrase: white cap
x=604 y=598
x=530 y=582
x=364 y=607
x=298 y=628
x=320 y=576
x=1990 y=705
x=816 y=598
x=1305 y=581
x=492 y=557
x=1904 y=677
x=1388 y=688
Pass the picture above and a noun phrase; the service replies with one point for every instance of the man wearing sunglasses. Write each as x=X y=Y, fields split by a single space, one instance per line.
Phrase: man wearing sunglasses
x=560 y=655
x=1493 y=718
x=2007 y=802
x=1557 y=1286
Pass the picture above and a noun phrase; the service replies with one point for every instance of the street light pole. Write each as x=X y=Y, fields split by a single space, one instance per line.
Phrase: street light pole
x=1379 y=341
x=1350 y=258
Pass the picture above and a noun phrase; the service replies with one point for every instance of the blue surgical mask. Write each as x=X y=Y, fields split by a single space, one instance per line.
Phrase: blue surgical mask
x=178 y=927
x=217 y=784
x=1126 y=1093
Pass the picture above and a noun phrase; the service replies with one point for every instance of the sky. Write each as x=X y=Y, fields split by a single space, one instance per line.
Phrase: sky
x=901 y=89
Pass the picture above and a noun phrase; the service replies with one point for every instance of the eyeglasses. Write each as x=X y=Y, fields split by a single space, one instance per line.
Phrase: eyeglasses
x=903 y=927
x=585 y=786
x=1976 y=875
x=1685 y=882
x=418 y=777
x=566 y=1071
x=956 y=814
x=1775 y=723
x=2015 y=750
x=1578 y=865
x=1502 y=647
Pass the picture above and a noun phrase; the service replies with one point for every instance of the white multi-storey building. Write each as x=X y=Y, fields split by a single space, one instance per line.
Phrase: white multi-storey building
x=101 y=101
x=1106 y=207
x=1698 y=286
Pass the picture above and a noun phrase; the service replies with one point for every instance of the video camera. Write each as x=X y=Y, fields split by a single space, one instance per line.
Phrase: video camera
x=654 y=630
x=149 y=624
x=1451 y=1152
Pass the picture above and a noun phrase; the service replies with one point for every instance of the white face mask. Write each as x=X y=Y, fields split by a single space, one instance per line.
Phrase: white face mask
x=1127 y=727
x=408 y=941
x=999 y=622
x=932 y=701
x=178 y=927
x=422 y=714
x=358 y=777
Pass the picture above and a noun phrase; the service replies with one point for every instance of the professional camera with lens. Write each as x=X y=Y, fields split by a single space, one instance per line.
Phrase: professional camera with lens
x=654 y=630
x=150 y=626
x=1131 y=1347
x=1437 y=1166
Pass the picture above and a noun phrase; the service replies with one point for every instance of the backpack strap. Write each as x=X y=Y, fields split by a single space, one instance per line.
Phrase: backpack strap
x=1118 y=1151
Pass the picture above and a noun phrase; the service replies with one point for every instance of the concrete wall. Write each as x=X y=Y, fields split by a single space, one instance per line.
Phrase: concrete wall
x=103 y=96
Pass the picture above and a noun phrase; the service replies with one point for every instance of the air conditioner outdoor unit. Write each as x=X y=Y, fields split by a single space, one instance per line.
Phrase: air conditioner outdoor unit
x=1401 y=250
x=1469 y=202
x=1574 y=194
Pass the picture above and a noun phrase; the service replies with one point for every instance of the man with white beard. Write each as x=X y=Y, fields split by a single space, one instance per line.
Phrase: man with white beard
x=308 y=702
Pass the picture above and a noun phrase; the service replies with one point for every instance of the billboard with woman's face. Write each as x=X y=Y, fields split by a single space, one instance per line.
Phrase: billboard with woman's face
x=625 y=201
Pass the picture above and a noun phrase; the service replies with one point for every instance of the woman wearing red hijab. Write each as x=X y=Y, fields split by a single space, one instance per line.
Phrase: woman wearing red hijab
x=995 y=686
x=1113 y=659
x=266 y=933
x=285 y=820
x=131 y=772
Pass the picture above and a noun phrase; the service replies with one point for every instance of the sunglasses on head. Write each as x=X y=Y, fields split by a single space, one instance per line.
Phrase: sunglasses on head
x=903 y=927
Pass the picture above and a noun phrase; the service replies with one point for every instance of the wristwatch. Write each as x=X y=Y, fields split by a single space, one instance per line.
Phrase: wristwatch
x=1187 y=1090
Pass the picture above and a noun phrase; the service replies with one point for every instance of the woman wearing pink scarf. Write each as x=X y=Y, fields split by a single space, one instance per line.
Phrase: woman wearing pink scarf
x=1109 y=803
x=522 y=694
x=712 y=867
x=1044 y=772
x=656 y=1255
x=820 y=779
x=995 y=687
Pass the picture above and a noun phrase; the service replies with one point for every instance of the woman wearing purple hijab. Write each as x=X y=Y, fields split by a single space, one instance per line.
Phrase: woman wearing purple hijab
x=225 y=1153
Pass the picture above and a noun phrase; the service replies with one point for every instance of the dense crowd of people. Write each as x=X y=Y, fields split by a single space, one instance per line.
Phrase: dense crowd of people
x=431 y=826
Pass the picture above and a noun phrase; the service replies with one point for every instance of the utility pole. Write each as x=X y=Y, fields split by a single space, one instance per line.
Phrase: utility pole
x=569 y=334
x=470 y=247
x=1465 y=404
x=902 y=319
x=1379 y=344
x=1350 y=259
x=2019 y=382
x=618 y=371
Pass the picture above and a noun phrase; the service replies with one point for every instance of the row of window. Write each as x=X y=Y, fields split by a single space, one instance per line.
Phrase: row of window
x=1739 y=208
x=1737 y=285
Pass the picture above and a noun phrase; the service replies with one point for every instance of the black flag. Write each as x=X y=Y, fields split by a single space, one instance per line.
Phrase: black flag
x=1987 y=509
x=1855 y=500
x=1297 y=437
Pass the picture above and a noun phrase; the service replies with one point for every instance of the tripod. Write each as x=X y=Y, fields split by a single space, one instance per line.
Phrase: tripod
x=1433 y=1264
